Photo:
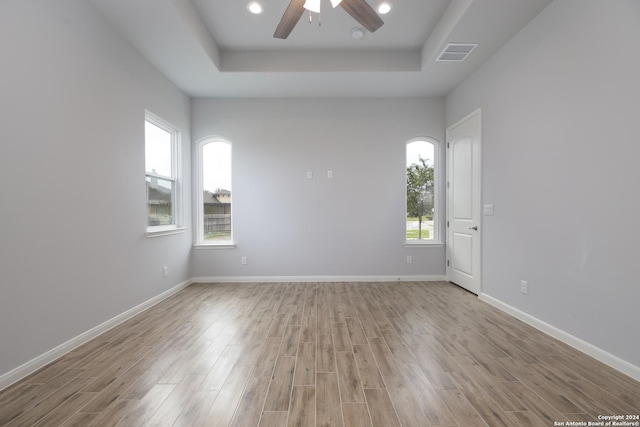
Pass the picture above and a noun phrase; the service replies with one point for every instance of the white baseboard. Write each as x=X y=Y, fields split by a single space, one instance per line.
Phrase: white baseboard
x=271 y=279
x=585 y=347
x=44 y=359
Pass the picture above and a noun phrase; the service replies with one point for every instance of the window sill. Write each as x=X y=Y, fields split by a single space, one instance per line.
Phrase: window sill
x=226 y=245
x=164 y=231
x=423 y=244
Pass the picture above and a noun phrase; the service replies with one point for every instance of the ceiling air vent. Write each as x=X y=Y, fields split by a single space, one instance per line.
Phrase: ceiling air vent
x=456 y=52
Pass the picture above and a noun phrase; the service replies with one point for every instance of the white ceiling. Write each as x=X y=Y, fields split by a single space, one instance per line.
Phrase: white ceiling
x=216 y=48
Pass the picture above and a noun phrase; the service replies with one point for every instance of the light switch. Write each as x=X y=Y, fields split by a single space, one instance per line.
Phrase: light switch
x=309 y=174
x=329 y=173
x=488 y=209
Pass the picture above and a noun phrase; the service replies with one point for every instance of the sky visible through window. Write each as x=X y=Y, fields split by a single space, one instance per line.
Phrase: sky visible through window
x=417 y=149
x=216 y=166
x=157 y=150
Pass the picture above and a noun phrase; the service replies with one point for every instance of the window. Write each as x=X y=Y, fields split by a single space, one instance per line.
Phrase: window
x=421 y=188
x=214 y=204
x=161 y=165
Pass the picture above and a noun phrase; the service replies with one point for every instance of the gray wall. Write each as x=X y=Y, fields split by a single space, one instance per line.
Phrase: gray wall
x=560 y=110
x=291 y=226
x=73 y=251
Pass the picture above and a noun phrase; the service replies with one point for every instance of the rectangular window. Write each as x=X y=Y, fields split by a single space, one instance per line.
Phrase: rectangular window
x=161 y=165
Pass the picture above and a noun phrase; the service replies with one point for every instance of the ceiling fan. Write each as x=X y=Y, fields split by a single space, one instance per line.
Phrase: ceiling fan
x=358 y=9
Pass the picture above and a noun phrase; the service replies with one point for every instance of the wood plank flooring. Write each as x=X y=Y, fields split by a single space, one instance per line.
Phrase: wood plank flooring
x=320 y=354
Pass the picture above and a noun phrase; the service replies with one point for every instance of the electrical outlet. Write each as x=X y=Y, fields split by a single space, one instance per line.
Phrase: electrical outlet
x=330 y=174
x=243 y=260
x=409 y=259
x=165 y=271
x=524 y=287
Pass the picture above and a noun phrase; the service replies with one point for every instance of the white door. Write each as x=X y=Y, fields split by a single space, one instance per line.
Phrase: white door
x=464 y=203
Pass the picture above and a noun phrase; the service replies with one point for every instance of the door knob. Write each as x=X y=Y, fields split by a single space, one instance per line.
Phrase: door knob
x=474 y=228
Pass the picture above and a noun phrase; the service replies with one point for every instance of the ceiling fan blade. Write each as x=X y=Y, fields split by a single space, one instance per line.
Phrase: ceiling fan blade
x=289 y=19
x=363 y=13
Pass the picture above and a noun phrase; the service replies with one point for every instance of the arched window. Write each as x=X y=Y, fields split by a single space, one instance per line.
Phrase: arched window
x=422 y=166
x=214 y=193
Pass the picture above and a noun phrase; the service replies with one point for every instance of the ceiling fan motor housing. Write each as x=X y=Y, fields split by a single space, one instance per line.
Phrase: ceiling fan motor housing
x=359 y=10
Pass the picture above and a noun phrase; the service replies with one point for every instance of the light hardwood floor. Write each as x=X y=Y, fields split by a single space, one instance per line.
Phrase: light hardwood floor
x=320 y=354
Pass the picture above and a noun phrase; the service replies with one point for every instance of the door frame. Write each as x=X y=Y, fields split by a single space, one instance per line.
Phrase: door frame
x=448 y=201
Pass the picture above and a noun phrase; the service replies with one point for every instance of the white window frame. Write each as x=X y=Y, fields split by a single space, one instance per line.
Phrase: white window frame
x=177 y=226
x=437 y=202
x=199 y=229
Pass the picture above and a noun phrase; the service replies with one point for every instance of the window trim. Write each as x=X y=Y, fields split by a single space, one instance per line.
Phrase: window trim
x=437 y=193
x=176 y=178
x=200 y=243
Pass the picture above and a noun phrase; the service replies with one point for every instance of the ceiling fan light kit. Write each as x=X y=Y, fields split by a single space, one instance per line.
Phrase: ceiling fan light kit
x=359 y=10
x=312 y=6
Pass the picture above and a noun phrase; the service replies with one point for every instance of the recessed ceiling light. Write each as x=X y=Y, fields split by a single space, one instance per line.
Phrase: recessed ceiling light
x=357 y=33
x=254 y=7
x=384 y=8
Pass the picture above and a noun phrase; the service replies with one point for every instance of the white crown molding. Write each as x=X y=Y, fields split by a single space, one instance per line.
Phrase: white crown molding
x=44 y=359
x=575 y=342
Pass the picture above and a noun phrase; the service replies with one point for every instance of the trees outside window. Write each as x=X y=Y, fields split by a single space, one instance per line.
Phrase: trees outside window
x=421 y=189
